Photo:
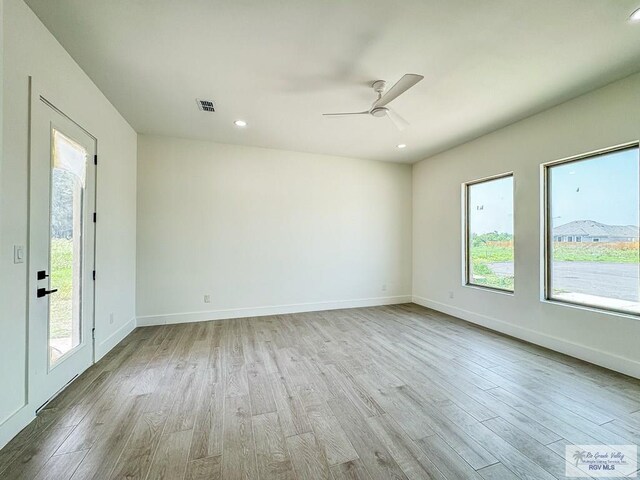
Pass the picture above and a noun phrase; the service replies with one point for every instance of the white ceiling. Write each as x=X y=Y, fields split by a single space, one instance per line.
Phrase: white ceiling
x=279 y=64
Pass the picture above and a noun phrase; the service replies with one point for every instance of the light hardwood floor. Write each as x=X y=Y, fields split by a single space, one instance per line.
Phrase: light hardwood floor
x=371 y=393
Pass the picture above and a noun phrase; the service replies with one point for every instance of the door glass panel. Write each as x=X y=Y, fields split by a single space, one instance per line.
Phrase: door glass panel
x=68 y=171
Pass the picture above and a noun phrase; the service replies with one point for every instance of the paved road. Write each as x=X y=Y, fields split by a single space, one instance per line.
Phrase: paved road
x=612 y=280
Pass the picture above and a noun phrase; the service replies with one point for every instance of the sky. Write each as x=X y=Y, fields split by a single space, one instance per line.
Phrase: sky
x=604 y=189
x=491 y=206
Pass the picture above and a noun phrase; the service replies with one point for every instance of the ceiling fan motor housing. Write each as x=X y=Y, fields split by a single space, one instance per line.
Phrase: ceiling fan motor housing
x=379 y=86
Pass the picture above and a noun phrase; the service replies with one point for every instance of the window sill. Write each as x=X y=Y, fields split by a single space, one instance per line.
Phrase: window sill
x=592 y=309
x=509 y=293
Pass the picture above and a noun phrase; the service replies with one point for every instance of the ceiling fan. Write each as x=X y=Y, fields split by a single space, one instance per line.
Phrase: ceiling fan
x=379 y=108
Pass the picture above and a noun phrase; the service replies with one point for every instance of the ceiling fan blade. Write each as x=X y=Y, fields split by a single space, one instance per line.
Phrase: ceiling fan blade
x=344 y=114
x=401 y=86
x=397 y=120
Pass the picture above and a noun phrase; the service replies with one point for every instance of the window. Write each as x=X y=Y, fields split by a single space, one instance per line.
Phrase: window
x=597 y=196
x=489 y=233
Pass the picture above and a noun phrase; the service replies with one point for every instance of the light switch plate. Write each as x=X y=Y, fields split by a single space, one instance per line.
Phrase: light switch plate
x=18 y=254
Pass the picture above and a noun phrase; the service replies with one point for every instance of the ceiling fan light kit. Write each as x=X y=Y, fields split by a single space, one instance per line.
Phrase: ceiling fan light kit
x=379 y=108
x=379 y=111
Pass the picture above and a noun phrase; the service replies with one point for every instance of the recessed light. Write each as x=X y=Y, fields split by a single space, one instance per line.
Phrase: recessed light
x=401 y=145
x=240 y=123
x=635 y=16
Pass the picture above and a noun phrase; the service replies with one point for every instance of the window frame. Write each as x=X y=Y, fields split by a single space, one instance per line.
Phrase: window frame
x=467 y=233
x=548 y=232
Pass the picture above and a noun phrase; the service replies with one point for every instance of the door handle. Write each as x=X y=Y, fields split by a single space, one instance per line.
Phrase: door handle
x=44 y=292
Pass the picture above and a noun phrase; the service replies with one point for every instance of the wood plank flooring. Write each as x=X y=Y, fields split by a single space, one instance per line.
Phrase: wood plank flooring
x=399 y=392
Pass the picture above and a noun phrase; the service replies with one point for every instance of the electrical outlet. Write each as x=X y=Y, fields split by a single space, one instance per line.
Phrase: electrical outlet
x=207 y=299
x=111 y=319
x=450 y=294
x=384 y=287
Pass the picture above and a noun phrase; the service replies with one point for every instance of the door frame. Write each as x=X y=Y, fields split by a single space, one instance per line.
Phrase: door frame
x=38 y=96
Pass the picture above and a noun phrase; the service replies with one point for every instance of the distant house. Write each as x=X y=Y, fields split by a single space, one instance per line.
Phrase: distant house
x=590 y=231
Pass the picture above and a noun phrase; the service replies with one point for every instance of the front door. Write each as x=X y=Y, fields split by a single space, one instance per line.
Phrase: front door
x=61 y=250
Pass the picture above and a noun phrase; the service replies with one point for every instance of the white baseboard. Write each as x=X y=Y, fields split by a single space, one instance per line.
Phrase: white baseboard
x=598 y=357
x=112 y=340
x=15 y=423
x=148 y=320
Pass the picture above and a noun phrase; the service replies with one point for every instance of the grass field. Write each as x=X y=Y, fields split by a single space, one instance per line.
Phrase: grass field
x=62 y=279
x=485 y=253
x=596 y=252
x=482 y=256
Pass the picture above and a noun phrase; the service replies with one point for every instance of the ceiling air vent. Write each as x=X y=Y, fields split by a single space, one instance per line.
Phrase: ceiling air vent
x=206 y=105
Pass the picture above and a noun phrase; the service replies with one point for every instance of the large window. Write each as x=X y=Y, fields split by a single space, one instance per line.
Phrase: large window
x=592 y=218
x=489 y=233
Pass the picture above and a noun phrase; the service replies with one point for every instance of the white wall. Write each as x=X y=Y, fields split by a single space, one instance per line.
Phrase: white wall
x=29 y=49
x=606 y=117
x=266 y=231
